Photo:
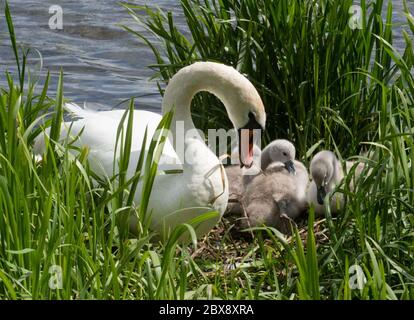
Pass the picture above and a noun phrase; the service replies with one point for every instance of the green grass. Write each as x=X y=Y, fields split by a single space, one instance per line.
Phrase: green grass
x=324 y=86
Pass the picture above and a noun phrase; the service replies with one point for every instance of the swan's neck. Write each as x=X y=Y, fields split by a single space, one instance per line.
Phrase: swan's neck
x=217 y=79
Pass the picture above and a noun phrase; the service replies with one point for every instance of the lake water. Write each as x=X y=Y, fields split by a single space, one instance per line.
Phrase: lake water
x=103 y=65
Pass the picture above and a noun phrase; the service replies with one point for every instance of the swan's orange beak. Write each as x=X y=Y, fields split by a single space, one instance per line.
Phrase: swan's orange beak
x=246 y=142
x=246 y=148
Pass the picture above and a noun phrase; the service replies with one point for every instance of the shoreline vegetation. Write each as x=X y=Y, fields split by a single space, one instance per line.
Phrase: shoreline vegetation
x=324 y=86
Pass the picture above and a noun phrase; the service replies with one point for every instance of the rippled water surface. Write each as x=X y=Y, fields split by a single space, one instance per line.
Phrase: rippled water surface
x=103 y=64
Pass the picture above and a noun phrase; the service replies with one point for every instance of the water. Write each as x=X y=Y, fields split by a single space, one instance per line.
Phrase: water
x=103 y=64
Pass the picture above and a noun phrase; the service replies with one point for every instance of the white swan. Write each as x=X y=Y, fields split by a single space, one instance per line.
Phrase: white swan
x=202 y=182
x=327 y=173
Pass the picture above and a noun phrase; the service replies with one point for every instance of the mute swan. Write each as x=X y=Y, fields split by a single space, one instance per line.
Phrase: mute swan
x=202 y=182
x=327 y=172
x=238 y=178
x=279 y=193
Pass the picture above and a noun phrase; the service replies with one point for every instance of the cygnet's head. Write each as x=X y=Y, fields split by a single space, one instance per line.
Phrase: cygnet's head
x=279 y=151
x=322 y=169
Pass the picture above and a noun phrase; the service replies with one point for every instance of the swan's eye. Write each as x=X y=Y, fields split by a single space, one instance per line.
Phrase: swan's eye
x=285 y=154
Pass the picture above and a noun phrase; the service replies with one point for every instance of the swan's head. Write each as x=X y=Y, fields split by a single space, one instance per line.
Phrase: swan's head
x=244 y=107
x=322 y=169
x=241 y=99
x=247 y=113
x=280 y=151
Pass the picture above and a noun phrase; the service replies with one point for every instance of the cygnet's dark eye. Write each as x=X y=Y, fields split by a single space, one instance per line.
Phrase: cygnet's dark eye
x=285 y=154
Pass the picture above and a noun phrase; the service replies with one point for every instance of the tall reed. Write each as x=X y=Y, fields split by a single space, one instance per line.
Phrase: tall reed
x=324 y=85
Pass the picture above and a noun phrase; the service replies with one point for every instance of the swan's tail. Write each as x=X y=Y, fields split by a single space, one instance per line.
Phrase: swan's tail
x=76 y=111
x=39 y=146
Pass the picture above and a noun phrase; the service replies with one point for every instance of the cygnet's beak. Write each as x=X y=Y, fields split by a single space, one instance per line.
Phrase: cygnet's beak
x=321 y=194
x=290 y=166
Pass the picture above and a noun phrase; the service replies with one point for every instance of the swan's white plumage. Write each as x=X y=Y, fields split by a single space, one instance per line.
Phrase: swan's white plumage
x=203 y=182
x=99 y=134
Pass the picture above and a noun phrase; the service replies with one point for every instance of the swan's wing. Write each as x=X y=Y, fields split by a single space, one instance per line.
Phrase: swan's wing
x=99 y=133
x=168 y=161
x=97 y=129
x=78 y=112
x=101 y=126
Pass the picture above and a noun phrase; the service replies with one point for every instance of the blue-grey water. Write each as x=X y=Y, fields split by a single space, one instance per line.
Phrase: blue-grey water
x=103 y=65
